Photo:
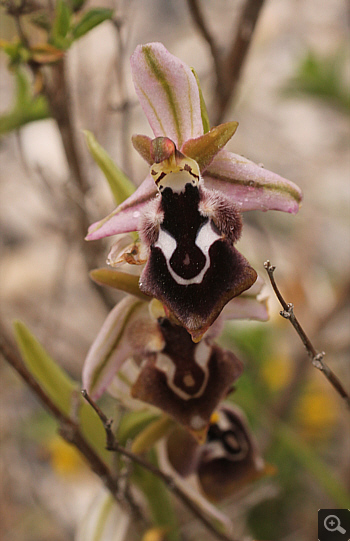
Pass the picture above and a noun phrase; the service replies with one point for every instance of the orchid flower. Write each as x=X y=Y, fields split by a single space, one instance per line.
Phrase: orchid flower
x=227 y=460
x=170 y=98
x=187 y=210
x=139 y=353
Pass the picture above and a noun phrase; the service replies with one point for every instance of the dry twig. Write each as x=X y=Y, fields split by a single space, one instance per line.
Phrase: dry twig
x=71 y=432
x=316 y=358
x=113 y=445
x=228 y=63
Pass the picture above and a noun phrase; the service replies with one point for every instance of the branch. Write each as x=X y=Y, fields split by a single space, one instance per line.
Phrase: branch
x=71 y=432
x=68 y=428
x=113 y=445
x=239 y=47
x=316 y=358
x=200 y=21
x=228 y=64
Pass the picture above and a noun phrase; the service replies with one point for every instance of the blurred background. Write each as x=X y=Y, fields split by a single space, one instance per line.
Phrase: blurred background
x=292 y=103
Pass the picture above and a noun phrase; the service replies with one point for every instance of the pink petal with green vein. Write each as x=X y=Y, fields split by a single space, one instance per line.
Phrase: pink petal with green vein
x=250 y=186
x=168 y=93
x=127 y=216
x=245 y=308
x=112 y=345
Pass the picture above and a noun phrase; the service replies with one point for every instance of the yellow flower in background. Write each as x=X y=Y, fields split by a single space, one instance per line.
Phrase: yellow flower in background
x=317 y=411
x=277 y=371
x=65 y=458
x=155 y=534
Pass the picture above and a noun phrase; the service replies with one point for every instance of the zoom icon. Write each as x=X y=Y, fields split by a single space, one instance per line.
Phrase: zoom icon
x=333 y=525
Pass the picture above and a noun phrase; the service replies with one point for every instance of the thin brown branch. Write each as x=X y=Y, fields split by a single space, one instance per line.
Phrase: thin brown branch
x=238 y=51
x=58 y=94
x=113 y=445
x=228 y=64
x=72 y=433
x=202 y=26
x=68 y=428
x=316 y=358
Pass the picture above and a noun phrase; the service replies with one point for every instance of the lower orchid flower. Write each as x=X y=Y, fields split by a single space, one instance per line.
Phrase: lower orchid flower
x=225 y=462
x=160 y=362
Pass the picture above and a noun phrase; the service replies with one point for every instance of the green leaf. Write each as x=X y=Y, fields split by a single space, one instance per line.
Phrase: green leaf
x=17 y=53
x=26 y=107
x=158 y=498
x=313 y=464
x=60 y=387
x=132 y=423
x=323 y=77
x=120 y=185
x=93 y=430
x=204 y=111
x=62 y=22
x=55 y=382
x=90 y=19
x=77 y=4
x=152 y=433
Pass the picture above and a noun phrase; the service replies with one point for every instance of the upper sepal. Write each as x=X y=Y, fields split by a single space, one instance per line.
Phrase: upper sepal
x=168 y=93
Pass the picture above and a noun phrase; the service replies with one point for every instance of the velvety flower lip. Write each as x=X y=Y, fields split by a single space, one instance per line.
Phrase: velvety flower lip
x=187 y=380
x=169 y=97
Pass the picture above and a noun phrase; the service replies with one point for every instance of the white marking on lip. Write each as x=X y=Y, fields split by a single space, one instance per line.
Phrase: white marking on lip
x=197 y=422
x=206 y=236
x=168 y=367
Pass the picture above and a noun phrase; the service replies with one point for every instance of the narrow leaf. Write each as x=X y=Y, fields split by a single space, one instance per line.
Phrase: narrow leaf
x=153 y=432
x=90 y=19
x=133 y=423
x=26 y=108
x=58 y=385
x=62 y=20
x=158 y=498
x=306 y=456
x=45 y=53
x=120 y=185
